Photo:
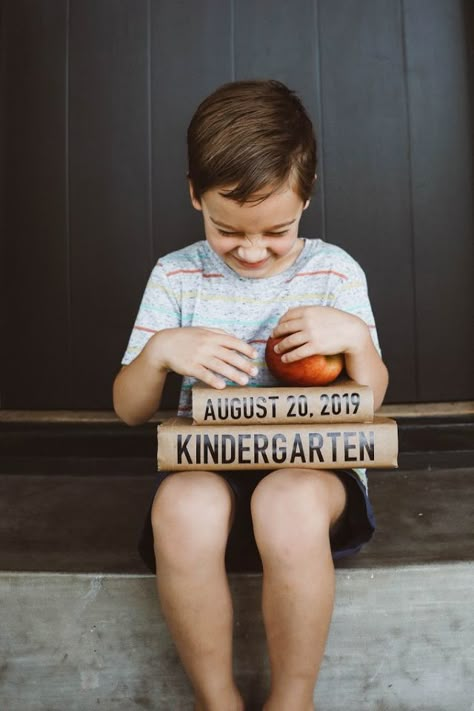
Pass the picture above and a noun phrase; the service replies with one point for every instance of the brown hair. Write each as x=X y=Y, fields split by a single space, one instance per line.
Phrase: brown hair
x=251 y=135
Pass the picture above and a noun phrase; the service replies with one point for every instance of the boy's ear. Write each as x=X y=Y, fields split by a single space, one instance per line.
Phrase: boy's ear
x=309 y=200
x=195 y=202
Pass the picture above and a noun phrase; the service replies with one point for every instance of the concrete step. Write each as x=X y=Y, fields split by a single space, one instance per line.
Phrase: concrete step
x=112 y=447
x=76 y=523
x=401 y=638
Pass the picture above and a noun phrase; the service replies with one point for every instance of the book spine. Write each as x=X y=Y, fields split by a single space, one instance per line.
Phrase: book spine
x=268 y=447
x=282 y=405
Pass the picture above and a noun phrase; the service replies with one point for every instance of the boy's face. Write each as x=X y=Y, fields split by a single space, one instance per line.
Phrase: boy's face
x=255 y=240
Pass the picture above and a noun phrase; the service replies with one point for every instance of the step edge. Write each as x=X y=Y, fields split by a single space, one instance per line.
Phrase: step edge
x=340 y=572
x=402 y=410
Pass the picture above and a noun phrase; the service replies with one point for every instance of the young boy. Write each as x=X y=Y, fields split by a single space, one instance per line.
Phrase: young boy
x=206 y=314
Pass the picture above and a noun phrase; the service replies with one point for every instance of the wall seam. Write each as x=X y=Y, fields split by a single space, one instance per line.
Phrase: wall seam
x=67 y=201
x=3 y=188
x=410 y=197
x=150 y=140
x=320 y=128
x=232 y=40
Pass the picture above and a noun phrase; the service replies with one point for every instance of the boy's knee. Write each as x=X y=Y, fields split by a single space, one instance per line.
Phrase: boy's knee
x=291 y=510
x=191 y=510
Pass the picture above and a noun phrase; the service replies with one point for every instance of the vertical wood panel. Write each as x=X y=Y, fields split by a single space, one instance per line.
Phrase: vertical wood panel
x=35 y=274
x=109 y=188
x=441 y=127
x=367 y=168
x=278 y=41
x=3 y=134
x=191 y=56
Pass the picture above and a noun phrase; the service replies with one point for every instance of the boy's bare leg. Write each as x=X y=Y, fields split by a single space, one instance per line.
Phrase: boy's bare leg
x=292 y=512
x=191 y=517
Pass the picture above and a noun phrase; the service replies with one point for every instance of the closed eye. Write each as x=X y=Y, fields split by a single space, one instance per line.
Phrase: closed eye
x=239 y=234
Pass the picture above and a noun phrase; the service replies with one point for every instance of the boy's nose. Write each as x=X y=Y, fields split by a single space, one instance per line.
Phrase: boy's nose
x=252 y=251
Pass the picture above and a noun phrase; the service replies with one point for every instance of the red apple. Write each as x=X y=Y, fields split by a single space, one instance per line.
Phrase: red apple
x=313 y=370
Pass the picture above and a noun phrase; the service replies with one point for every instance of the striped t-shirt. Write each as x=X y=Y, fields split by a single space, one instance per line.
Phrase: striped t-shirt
x=195 y=287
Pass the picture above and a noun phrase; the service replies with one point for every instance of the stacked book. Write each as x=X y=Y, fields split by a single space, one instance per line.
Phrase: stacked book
x=269 y=428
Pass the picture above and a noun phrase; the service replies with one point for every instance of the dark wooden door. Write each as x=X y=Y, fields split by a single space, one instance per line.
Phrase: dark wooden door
x=96 y=98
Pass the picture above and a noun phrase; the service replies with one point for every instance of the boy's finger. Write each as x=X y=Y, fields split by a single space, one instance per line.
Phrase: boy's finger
x=238 y=363
x=287 y=327
x=295 y=312
x=209 y=378
x=229 y=372
x=294 y=340
x=298 y=353
x=237 y=344
x=218 y=330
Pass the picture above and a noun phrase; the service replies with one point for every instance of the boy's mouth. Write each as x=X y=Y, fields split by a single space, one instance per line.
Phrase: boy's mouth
x=251 y=265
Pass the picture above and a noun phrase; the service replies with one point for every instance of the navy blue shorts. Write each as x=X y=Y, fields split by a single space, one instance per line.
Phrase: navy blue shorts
x=352 y=531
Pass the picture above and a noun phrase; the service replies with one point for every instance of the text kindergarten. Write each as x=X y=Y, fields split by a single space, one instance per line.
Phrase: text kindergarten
x=278 y=448
x=183 y=445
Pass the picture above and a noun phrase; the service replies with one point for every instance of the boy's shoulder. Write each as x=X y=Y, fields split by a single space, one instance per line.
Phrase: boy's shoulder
x=330 y=256
x=194 y=256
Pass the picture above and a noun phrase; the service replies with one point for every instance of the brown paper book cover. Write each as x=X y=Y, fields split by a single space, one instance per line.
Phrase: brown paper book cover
x=183 y=444
x=344 y=401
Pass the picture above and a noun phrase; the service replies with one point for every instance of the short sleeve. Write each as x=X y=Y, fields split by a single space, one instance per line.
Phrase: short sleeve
x=159 y=309
x=352 y=296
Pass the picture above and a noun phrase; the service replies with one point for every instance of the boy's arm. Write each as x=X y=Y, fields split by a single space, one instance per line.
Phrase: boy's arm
x=365 y=366
x=138 y=388
x=325 y=330
x=209 y=355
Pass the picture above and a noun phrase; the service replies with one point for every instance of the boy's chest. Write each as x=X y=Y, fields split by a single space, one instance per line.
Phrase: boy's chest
x=249 y=312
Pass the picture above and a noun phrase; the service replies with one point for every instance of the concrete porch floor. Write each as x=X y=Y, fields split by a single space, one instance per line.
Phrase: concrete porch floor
x=401 y=639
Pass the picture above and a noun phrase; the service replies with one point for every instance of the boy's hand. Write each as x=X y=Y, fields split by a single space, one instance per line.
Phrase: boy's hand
x=207 y=354
x=321 y=330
